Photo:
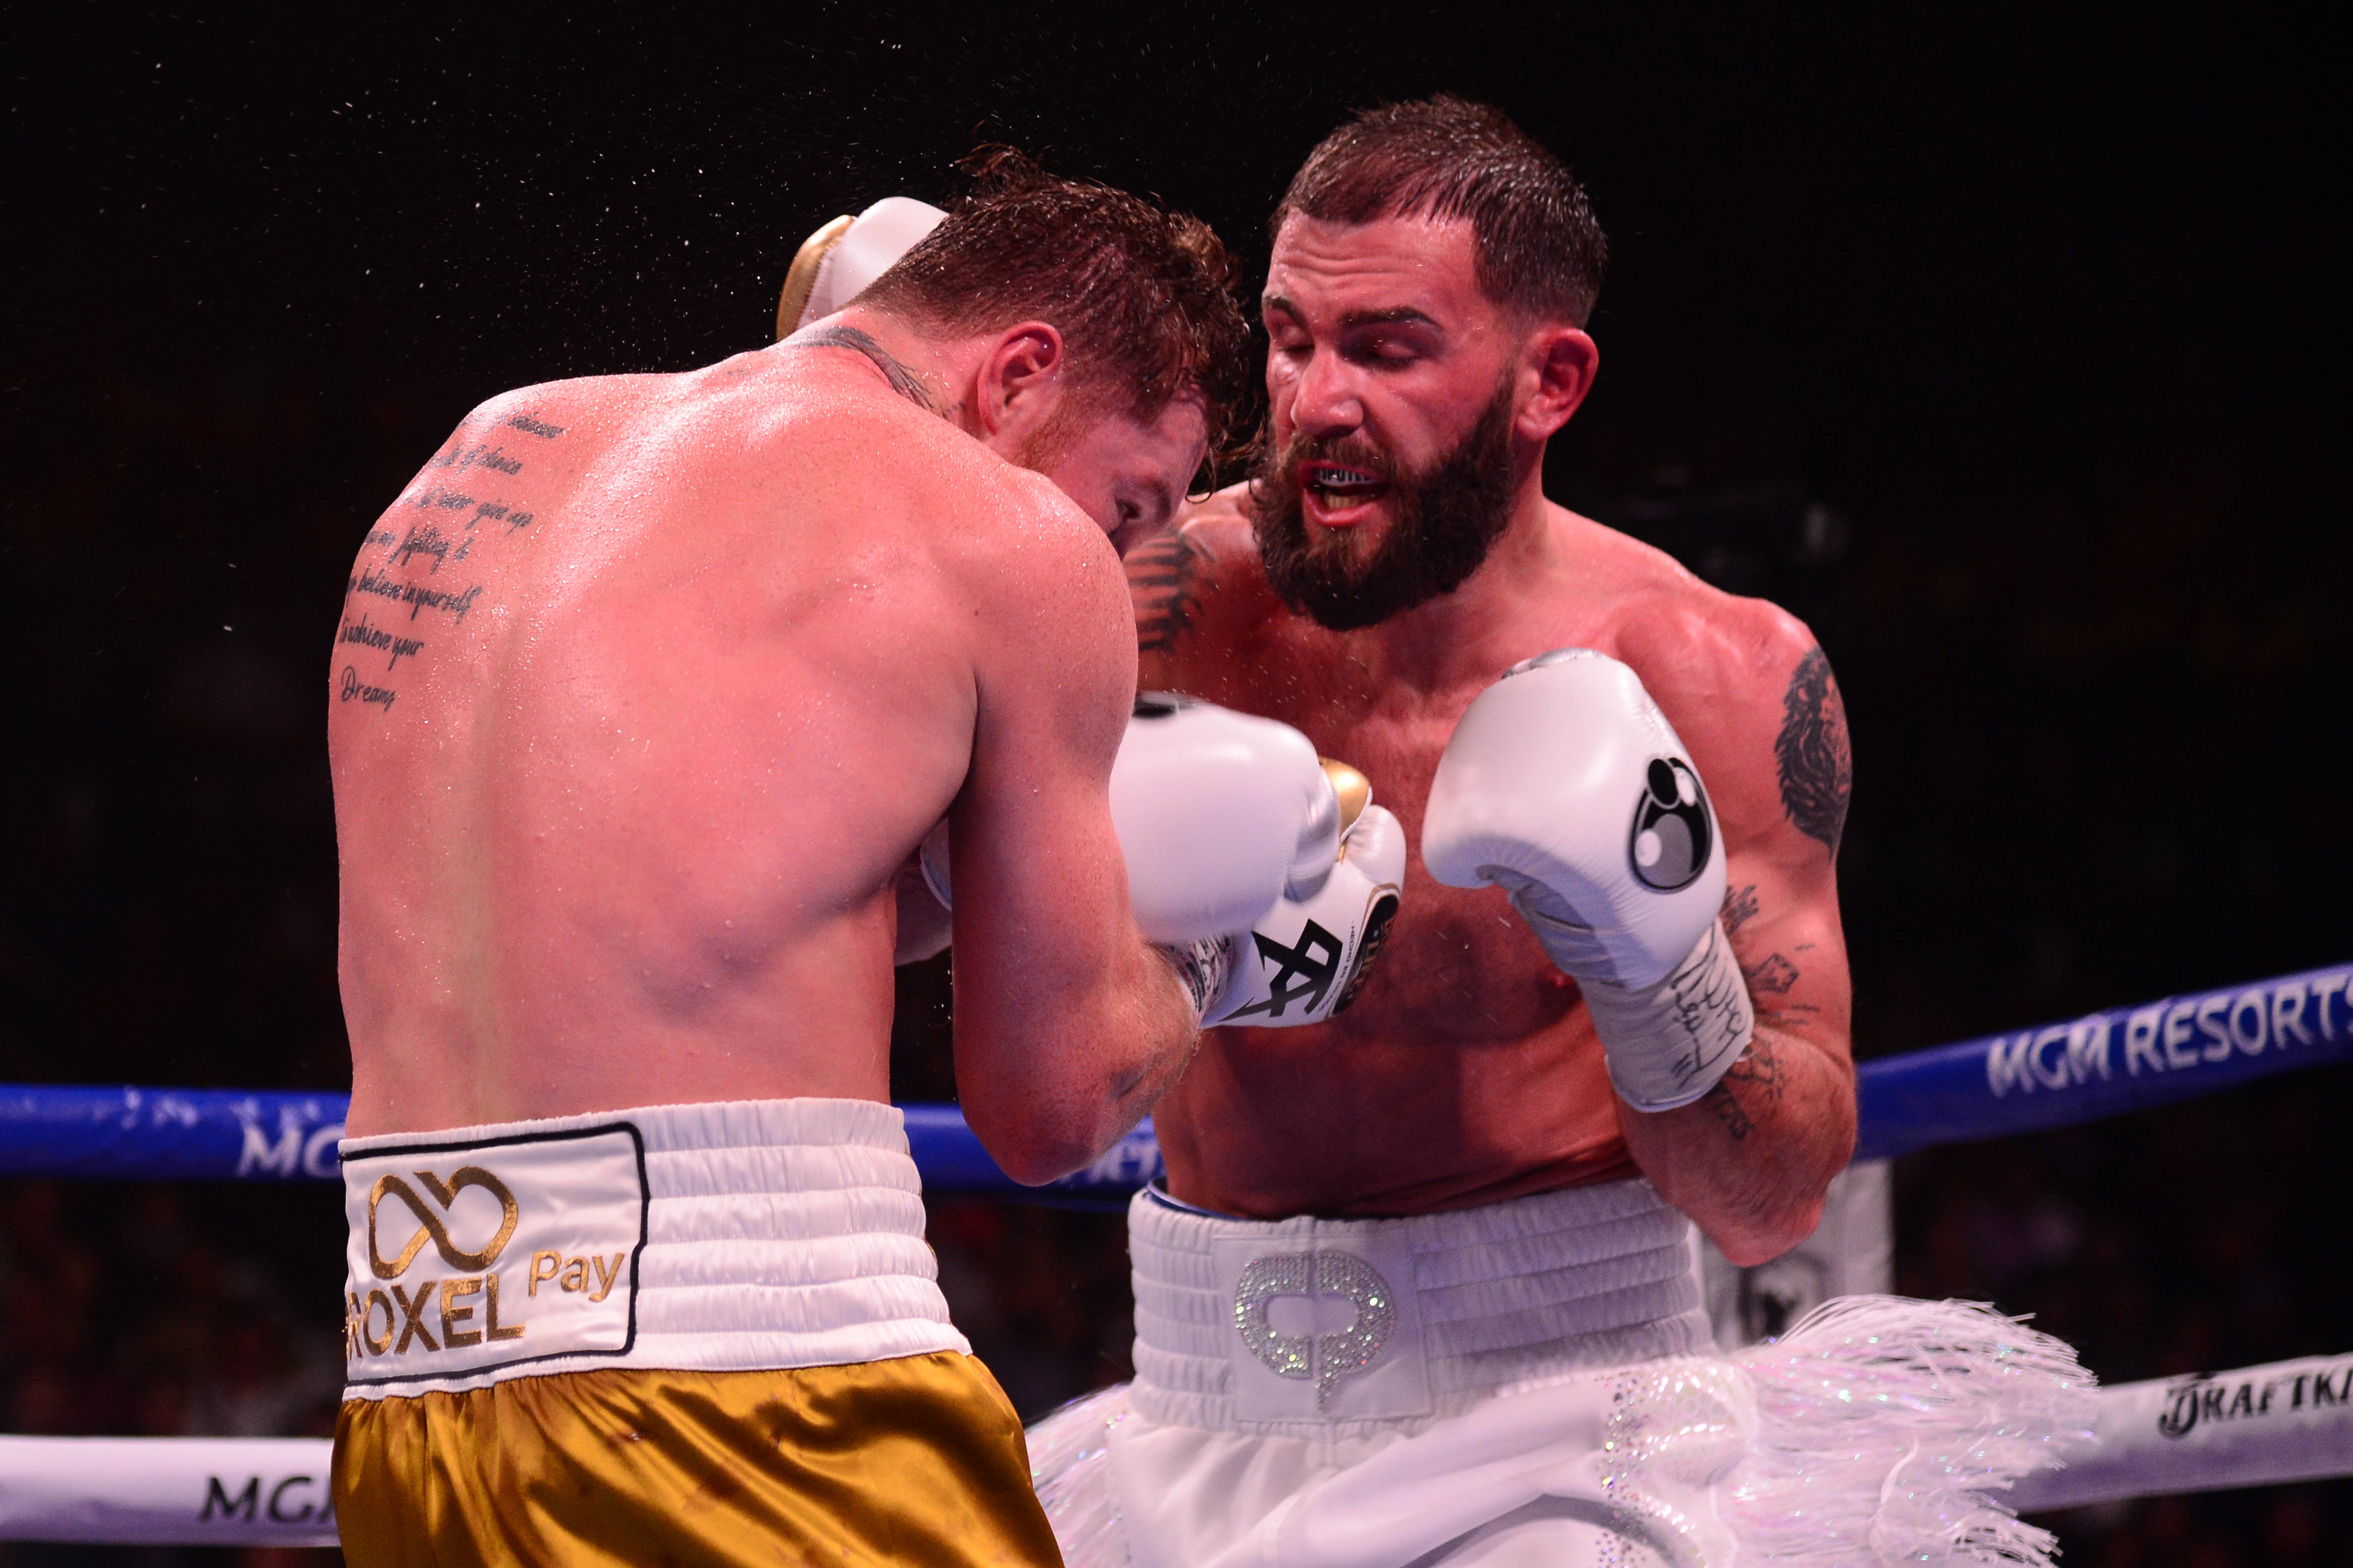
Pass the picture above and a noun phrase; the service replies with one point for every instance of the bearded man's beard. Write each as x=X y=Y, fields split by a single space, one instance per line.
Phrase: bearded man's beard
x=1444 y=521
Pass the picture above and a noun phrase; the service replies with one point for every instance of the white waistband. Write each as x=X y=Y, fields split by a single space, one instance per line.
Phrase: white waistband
x=1324 y=1327
x=730 y=1237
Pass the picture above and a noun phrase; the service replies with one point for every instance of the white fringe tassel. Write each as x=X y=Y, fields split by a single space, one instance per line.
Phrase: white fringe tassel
x=1069 y=1454
x=1882 y=1424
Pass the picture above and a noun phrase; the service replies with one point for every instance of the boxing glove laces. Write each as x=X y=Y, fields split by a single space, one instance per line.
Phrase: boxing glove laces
x=1565 y=786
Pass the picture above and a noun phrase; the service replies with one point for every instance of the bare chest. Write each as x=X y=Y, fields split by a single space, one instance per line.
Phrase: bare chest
x=1458 y=967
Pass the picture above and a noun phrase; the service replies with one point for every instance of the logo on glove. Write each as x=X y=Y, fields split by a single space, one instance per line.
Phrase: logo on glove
x=1672 y=835
x=1314 y=962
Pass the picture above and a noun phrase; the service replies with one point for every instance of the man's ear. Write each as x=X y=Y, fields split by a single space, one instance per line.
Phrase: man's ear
x=1557 y=371
x=1020 y=386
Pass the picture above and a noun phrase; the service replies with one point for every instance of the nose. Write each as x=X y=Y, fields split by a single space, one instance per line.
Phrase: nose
x=1325 y=402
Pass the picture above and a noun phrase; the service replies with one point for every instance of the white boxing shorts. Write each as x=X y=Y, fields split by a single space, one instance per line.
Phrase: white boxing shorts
x=1532 y=1382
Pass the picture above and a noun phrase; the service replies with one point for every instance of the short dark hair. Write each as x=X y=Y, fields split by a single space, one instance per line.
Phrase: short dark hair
x=1536 y=246
x=1144 y=299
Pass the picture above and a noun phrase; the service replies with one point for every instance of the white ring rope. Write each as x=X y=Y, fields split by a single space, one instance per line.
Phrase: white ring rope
x=2261 y=1426
x=167 y=1492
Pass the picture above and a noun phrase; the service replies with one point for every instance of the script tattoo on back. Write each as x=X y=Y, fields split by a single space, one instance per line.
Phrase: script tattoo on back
x=1817 y=764
x=398 y=600
x=1160 y=574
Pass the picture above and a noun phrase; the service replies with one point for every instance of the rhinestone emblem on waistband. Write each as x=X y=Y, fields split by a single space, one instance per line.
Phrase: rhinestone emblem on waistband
x=1341 y=1354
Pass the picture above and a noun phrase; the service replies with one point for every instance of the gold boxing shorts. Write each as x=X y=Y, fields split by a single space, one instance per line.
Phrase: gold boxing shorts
x=914 y=1460
x=679 y=1334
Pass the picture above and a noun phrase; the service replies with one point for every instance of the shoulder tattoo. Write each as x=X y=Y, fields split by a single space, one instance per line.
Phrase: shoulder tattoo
x=1817 y=764
x=1161 y=577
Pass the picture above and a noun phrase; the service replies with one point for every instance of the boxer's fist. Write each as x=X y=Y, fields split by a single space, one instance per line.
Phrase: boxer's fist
x=834 y=265
x=1305 y=961
x=1219 y=814
x=1565 y=786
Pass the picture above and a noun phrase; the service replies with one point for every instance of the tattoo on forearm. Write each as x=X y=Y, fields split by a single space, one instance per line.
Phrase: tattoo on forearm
x=1160 y=577
x=400 y=562
x=1775 y=974
x=903 y=379
x=1816 y=760
x=1741 y=1093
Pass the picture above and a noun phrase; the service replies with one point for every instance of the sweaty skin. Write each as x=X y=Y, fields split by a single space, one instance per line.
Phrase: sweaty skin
x=648 y=687
x=1468 y=1070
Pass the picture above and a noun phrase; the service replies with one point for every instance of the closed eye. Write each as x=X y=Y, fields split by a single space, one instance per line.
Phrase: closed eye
x=1382 y=349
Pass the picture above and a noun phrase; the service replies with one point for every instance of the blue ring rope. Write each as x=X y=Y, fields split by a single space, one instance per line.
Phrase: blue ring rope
x=2027 y=1080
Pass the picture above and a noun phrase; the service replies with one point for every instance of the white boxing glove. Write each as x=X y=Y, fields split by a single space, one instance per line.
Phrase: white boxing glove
x=1306 y=959
x=1567 y=787
x=1219 y=814
x=834 y=265
x=1220 y=817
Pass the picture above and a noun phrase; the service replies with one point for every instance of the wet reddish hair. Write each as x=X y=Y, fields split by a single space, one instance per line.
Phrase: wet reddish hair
x=1144 y=299
x=1534 y=243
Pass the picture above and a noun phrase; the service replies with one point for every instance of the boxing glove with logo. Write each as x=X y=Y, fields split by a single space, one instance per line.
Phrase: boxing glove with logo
x=1308 y=957
x=1565 y=786
x=1224 y=820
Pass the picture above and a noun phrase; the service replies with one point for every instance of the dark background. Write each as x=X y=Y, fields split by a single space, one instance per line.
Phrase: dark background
x=2043 y=303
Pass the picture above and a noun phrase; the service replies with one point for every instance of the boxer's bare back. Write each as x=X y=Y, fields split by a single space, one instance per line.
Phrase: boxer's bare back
x=647 y=687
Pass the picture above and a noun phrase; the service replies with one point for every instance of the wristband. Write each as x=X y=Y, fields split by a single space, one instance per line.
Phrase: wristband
x=1667 y=1045
x=1203 y=969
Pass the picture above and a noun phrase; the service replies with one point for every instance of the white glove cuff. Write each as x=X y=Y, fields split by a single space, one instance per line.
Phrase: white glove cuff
x=1668 y=1044
x=1206 y=970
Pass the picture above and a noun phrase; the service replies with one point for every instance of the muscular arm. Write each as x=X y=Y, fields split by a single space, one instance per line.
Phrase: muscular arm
x=1068 y=1025
x=1750 y=1162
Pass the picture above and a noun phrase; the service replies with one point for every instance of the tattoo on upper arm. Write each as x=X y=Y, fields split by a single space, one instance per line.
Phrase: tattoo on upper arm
x=1817 y=764
x=400 y=565
x=1160 y=577
x=903 y=379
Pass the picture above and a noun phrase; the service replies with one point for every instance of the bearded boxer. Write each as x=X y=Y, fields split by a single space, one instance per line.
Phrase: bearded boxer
x=1419 y=1286
x=647 y=688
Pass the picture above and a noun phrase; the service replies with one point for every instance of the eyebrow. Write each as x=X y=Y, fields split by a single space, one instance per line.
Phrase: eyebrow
x=1394 y=315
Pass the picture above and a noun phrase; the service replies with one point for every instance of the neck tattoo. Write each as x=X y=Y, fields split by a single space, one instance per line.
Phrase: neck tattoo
x=903 y=379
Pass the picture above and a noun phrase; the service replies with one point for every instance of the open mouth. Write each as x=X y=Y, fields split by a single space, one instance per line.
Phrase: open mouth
x=1338 y=492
